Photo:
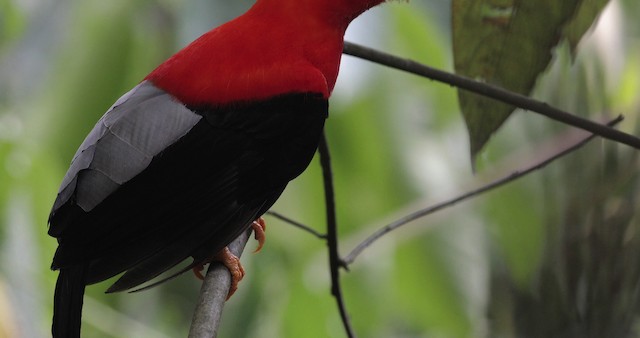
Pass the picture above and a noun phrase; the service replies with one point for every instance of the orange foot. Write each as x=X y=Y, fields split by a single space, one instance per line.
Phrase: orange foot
x=231 y=261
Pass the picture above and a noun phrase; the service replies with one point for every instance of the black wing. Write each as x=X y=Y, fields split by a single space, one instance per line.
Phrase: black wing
x=136 y=128
x=195 y=196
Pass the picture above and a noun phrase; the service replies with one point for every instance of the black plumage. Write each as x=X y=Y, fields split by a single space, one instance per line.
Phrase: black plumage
x=193 y=198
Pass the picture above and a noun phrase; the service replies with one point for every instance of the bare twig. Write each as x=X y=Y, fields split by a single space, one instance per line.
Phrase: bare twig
x=349 y=259
x=296 y=224
x=213 y=294
x=490 y=91
x=332 y=234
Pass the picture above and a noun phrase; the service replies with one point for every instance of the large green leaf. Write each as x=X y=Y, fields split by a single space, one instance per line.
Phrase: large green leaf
x=508 y=43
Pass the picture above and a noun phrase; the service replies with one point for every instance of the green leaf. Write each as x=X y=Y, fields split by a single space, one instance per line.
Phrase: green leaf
x=508 y=43
x=586 y=17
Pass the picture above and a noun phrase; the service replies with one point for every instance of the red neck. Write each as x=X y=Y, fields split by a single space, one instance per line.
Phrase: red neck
x=277 y=47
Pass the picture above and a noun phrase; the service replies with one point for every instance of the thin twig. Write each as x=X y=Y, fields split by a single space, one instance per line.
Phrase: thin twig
x=490 y=91
x=213 y=294
x=332 y=234
x=296 y=224
x=349 y=259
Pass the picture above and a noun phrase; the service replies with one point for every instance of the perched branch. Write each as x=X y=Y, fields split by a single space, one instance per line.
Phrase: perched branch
x=213 y=294
x=296 y=224
x=332 y=234
x=349 y=259
x=490 y=91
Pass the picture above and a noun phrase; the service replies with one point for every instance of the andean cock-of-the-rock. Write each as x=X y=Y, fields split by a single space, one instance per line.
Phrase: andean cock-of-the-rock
x=193 y=155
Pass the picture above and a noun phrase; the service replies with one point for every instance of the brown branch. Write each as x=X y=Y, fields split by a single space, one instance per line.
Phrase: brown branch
x=332 y=234
x=490 y=91
x=296 y=224
x=213 y=294
x=349 y=259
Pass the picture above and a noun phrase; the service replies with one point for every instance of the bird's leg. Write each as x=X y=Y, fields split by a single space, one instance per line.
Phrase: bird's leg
x=231 y=261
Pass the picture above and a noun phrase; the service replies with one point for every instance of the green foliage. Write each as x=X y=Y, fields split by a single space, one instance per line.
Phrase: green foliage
x=584 y=16
x=508 y=43
x=12 y=21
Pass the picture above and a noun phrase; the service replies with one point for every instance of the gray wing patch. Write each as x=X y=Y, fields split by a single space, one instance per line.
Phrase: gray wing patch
x=137 y=127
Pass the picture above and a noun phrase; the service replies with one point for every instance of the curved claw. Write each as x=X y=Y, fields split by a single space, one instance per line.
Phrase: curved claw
x=259 y=227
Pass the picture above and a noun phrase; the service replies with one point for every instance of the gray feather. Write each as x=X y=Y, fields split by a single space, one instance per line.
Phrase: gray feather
x=137 y=127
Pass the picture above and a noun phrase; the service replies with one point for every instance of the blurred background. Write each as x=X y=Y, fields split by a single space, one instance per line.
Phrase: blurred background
x=556 y=253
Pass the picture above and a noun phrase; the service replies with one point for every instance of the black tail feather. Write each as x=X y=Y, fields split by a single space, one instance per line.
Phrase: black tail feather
x=67 y=302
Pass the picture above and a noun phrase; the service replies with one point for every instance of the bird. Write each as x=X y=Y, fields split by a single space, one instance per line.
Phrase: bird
x=197 y=151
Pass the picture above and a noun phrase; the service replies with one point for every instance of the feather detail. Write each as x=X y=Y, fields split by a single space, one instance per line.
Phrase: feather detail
x=137 y=127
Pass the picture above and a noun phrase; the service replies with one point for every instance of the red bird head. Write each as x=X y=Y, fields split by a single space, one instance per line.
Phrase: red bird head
x=277 y=47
